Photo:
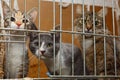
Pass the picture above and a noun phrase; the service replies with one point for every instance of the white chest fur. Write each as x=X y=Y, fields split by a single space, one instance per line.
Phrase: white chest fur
x=15 y=53
x=14 y=58
x=88 y=43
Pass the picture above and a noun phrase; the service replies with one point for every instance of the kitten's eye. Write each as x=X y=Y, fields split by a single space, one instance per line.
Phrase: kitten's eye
x=81 y=21
x=25 y=21
x=49 y=45
x=36 y=43
x=12 y=19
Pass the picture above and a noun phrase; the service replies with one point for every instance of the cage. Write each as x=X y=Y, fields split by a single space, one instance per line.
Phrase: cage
x=66 y=13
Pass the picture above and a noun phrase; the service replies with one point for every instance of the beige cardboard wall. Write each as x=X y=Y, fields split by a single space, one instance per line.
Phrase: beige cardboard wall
x=46 y=23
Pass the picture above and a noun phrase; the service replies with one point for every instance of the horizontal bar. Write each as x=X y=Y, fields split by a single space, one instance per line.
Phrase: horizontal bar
x=43 y=78
x=89 y=2
x=74 y=32
x=31 y=79
x=24 y=30
x=5 y=41
x=86 y=76
x=12 y=35
x=61 y=31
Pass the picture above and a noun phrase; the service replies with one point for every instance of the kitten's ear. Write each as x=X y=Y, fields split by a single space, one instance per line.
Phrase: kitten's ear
x=57 y=27
x=100 y=12
x=57 y=34
x=14 y=11
x=32 y=14
x=6 y=8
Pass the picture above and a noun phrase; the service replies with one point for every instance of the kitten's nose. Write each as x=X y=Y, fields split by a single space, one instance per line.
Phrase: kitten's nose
x=18 y=23
x=88 y=28
x=42 y=52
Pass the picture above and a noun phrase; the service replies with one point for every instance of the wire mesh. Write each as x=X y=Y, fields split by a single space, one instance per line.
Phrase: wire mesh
x=58 y=15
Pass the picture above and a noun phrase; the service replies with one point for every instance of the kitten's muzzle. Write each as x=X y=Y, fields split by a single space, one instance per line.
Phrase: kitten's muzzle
x=88 y=31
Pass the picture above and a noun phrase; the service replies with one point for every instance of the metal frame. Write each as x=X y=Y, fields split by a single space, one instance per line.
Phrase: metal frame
x=72 y=32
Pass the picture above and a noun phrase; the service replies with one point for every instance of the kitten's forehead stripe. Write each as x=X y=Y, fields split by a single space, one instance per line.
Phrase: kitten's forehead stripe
x=42 y=46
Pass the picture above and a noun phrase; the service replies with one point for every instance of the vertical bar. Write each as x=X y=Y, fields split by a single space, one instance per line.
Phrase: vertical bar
x=2 y=18
x=60 y=35
x=24 y=44
x=84 y=52
x=94 y=37
x=39 y=37
x=104 y=37
x=54 y=16
x=113 y=18
x=72 y=38
x=25 y=8
x=9 y=39
x=39 y=2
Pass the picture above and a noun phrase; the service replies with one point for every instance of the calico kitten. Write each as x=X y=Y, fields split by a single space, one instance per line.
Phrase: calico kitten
x=99 y=45
x=16 y=58
x=46 y=52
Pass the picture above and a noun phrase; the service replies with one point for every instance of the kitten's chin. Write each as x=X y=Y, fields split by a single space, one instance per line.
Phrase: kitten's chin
x=42 y=57
x=45 y=57
x=88 y=36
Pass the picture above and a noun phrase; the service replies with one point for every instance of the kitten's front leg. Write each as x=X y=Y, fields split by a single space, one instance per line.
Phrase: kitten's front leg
x=23 y=70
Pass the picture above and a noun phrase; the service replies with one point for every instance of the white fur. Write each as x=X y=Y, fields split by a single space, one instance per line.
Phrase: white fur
x=88 y=43
x=15 y=26
x=14 y=58
x=42 y=46
x=38 y=53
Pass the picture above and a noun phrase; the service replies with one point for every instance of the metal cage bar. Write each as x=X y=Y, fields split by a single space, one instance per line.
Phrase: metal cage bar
x=72 y=32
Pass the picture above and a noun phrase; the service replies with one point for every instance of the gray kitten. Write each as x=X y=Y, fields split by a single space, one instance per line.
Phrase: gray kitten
x=16 y=58
x=42 y=46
